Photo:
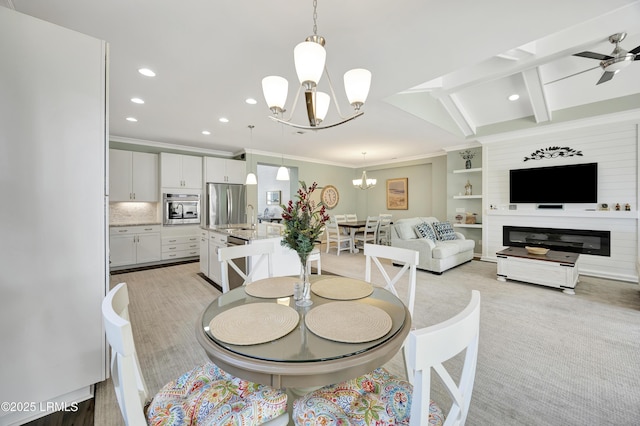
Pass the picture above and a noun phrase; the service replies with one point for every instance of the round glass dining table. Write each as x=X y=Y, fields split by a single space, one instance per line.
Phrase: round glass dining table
x=301 y=358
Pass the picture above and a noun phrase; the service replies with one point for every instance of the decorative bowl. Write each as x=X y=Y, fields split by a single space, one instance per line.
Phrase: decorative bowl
x=537 y=250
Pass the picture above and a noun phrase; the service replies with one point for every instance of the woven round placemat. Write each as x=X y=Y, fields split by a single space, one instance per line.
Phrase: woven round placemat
x=342 y=288
x=348 y=322
x=254 y=323
x=271 y=287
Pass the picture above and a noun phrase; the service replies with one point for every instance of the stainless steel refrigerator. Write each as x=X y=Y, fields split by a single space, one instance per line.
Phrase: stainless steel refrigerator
x=224 y=204
x=53 y=226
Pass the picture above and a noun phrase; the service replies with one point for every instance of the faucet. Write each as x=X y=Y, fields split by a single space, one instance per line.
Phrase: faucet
x=253 y=226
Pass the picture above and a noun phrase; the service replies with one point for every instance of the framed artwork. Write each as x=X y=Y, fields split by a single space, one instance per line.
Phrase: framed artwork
x=273 y=198
x=398 y=194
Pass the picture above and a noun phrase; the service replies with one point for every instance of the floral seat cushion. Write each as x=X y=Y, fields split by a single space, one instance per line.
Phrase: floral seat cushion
x=207 y=395
x=377 y=398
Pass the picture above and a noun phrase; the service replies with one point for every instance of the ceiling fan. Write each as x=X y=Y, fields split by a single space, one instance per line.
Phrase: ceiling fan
x=618 y=59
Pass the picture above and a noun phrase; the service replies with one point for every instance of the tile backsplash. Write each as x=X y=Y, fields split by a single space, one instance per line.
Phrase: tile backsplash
x=133 y=213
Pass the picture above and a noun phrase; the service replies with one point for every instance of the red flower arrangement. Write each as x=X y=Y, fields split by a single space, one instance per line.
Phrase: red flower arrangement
x=303 y=222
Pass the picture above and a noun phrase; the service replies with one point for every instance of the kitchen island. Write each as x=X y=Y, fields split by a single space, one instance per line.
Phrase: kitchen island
x=285 y=261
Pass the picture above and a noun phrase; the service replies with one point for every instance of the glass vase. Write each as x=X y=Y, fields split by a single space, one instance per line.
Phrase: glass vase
x=306 y=286
x=467 y=164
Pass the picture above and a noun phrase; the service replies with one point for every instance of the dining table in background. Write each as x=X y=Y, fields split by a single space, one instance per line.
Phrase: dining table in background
x=353 y=227
x=301 y=358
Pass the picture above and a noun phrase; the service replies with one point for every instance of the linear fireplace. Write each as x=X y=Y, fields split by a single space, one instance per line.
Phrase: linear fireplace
x=573 y=240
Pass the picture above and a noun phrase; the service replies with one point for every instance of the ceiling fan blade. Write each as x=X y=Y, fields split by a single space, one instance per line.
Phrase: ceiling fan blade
x=593 y=55
x=606 y=76
x=635 y=51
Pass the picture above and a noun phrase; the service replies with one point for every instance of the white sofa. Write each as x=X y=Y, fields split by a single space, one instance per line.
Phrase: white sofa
x=435 y=256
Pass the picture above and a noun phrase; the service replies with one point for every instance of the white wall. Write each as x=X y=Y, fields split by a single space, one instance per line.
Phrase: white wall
x=615 y=148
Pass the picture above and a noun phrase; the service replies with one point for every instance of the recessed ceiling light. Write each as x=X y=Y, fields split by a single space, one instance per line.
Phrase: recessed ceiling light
x=514 y=97
x=132 y=119
x=206 y=132
x=251 y=101
x=147 y=72
x=223 y=120
x=137 y=101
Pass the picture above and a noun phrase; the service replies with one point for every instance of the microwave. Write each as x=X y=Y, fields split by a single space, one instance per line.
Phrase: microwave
x=181 y=209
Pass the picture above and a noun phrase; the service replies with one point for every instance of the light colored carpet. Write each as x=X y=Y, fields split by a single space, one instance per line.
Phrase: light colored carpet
x=546 y=358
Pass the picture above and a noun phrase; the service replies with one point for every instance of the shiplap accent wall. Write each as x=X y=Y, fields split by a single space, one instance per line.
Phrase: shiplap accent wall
x=615 y=148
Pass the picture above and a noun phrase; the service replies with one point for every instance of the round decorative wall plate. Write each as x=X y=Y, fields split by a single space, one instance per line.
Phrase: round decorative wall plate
x=330 y=196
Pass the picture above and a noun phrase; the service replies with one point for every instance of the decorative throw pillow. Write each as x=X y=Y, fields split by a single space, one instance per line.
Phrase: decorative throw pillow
x=405 y=231
x=425 y=230
x=445 y=231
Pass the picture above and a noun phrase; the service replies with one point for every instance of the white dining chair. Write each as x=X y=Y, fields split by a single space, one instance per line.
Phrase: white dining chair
x=260 y=252
x=351 y=217
x=201 y=396
x=389 y=399
x=408 y=259
x=369 y=233
x=334 y=235
x=384 y=228
x=397 y=255
x=341 y=218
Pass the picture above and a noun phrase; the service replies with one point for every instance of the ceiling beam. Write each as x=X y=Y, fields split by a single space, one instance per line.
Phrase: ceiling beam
x=537 y=96
x=458 y=113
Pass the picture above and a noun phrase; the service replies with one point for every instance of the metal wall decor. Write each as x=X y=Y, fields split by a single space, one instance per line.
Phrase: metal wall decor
x=553 y=152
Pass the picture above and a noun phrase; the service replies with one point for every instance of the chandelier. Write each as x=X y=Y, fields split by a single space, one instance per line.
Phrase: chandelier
x=309 y=59
x=364 y=182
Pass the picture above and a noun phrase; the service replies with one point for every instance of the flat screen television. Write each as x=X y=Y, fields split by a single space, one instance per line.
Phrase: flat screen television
x=575 y=183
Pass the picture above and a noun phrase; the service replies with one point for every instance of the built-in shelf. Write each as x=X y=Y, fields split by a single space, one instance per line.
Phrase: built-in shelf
x=477 y=169
x=466 y=197
x=467 y=225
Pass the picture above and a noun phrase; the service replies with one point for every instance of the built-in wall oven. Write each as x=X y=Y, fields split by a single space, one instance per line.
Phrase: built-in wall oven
x=181 y=209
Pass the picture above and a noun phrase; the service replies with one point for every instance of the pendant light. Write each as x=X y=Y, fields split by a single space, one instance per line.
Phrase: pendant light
x=251 y=177
x=364 y=182
x=283 y=172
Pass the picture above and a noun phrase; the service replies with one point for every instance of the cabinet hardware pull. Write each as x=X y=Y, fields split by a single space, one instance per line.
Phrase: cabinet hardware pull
x=123 y=230
x=172 y=241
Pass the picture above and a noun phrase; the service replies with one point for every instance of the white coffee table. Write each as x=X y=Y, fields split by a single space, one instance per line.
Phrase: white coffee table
x=557 y=269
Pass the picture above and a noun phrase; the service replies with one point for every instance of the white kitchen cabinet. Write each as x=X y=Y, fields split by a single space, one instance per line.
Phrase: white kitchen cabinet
x=180 y=171
x=131 y=245
x=216 y=242
x=204 y=252
x=180 y=247
x=222 y=170
x=133 y=176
